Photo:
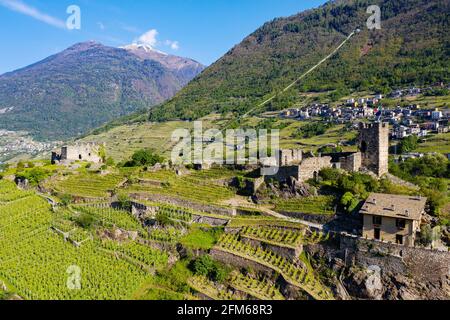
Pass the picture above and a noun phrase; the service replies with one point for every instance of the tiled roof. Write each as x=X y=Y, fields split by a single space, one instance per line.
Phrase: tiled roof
x=395 y=206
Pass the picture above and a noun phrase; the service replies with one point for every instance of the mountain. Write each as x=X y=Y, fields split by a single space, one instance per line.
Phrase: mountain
x=87 y=85
x=412 y=48
x=184 y=68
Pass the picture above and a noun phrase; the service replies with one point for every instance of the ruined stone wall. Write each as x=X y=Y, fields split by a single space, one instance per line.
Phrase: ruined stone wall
x=310 y=167
x=254 y=184
x=351 y=163
x=373 y=141
x=83 y=152
x=285 y=173
x=215 y=222
x=289 y=157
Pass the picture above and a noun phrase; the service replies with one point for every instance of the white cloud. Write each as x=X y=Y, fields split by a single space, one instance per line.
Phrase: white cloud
x=18 y=6
x=174 y=45
x=149 y=38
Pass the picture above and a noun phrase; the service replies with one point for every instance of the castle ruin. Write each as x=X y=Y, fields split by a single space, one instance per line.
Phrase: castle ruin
x=89 y=152
x=373 y=142
x=373 y=155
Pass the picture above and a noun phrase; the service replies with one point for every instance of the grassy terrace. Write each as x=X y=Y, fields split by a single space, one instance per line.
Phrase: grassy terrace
x=436 y=143
x=311 y=205
x=109 y=217
x=333 y=135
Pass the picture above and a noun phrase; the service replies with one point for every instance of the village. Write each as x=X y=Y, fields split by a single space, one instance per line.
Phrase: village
x=406 y=120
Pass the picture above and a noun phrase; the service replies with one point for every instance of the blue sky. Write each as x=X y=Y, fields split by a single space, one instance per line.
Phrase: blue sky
x=200 y=29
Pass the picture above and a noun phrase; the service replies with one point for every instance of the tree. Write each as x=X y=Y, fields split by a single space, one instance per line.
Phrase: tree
x=349 y=202
x=143 y=157
x=408 y=144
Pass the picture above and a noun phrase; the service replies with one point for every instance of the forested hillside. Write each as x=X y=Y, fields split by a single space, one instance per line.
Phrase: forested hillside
x=410 y=49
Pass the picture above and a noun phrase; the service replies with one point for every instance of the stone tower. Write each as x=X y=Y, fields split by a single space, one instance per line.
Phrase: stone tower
x=373 y=143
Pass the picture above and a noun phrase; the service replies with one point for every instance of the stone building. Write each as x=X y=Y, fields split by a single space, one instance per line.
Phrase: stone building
x=79 y=152
x=309 y=168
x=348 y=161
x=373 y=142
x=392 y=218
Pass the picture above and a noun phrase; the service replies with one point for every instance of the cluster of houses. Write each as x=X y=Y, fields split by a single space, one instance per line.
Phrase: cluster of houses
x=412 y=120
x=340 y=114
x=405 y=121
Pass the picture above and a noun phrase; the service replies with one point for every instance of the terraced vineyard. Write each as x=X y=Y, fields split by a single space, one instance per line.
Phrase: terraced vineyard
x=170 y=235
x=175 y=213
x=203 y=285
x=279 y=236
x=261 y=289
x=142 y=254
x=111 y=217
x=37 y=263
x=301 y=277
x=89 y=185
x=310 y=205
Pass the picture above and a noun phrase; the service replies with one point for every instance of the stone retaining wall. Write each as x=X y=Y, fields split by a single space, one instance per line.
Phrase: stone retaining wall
x=240 y=262
x=286 y=252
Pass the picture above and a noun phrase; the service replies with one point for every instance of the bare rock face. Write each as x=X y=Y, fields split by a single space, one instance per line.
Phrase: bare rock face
x=290 y=190
x=365 y=283
x=373 y=284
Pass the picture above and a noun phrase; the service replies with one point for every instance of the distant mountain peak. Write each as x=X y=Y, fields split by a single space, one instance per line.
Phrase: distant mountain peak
x=184 y=68
x=83 y=46
x=142 y=47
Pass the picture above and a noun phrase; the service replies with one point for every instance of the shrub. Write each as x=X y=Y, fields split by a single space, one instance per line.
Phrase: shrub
x=66 y=199
x=206 y=266
x=35 y=175
x=124 y=202
x=109 y=162
x=85 y=220
x=349 y=202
